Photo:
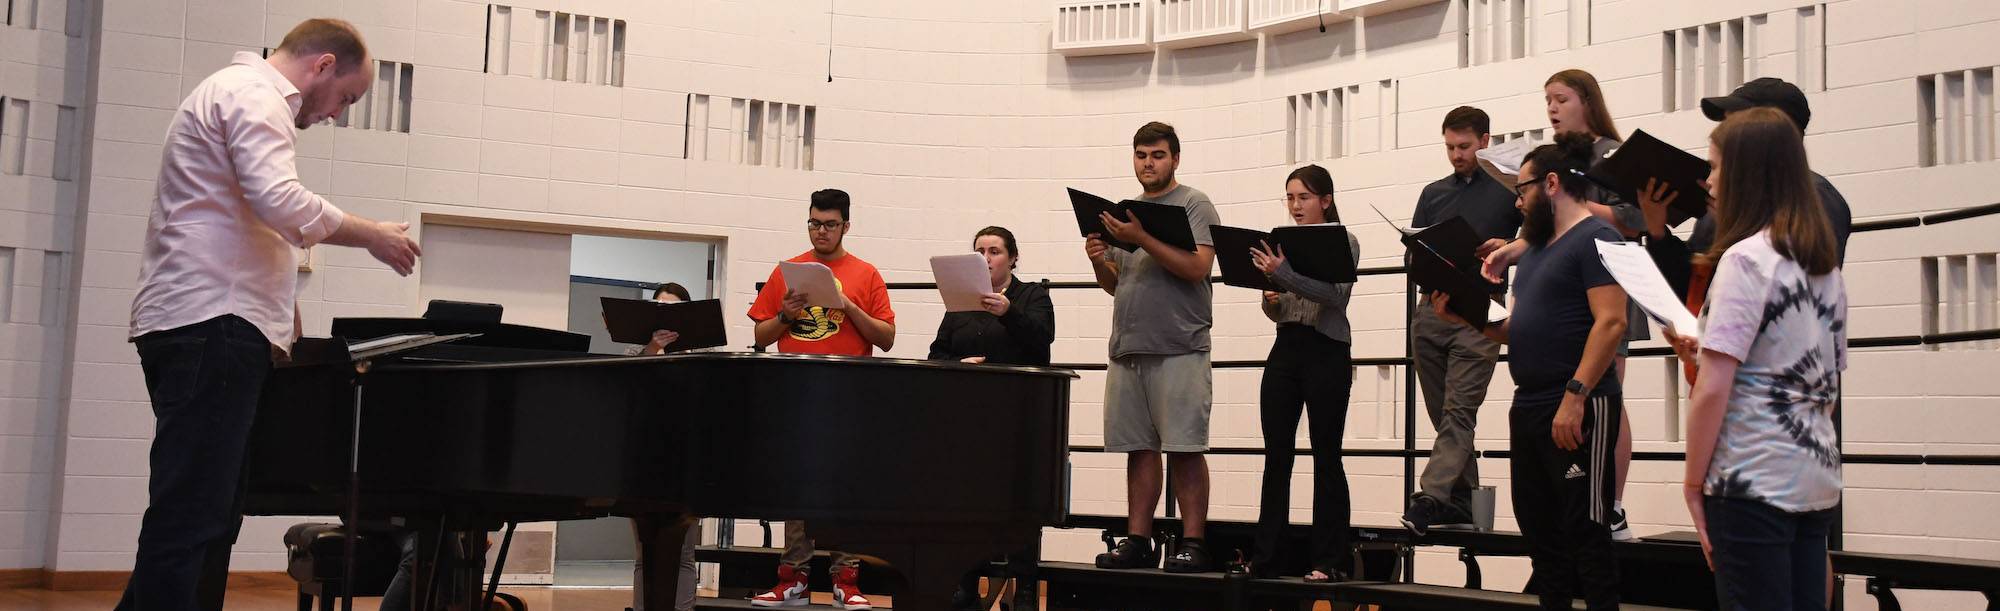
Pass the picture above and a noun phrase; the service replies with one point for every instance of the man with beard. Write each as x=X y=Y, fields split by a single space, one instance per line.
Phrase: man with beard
x=1570 y=314
x=862 y=323
x=217 y=286
x=1157 y=388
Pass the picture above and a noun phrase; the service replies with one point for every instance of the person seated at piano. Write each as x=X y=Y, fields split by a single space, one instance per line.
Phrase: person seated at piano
x=1018 y=322
x=669 y=292
x=862 y=324
x=1016 y=328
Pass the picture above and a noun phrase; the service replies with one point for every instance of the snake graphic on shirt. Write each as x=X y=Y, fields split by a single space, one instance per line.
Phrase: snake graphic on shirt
x=818 y=323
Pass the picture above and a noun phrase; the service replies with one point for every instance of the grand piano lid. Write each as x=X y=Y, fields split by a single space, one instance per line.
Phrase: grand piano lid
x=848 y=361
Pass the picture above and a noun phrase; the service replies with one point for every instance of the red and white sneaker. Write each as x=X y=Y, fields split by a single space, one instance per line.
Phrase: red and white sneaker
x=846 y=591
x=790 y=591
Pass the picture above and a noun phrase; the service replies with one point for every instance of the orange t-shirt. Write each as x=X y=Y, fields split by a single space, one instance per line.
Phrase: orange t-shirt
x=820 y=331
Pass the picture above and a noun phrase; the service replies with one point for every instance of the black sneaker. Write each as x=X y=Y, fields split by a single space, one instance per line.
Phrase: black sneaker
x=1421 y=514
x=1189 y=557
x=1450 y=517
x=1131 y=553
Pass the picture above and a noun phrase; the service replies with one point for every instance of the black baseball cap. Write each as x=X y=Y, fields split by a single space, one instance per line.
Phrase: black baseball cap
x=1766 y=91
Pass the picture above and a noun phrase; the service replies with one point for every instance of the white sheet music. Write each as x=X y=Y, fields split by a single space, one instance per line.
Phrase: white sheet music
x=366 y=345
x=962 y=280
x=1644 y=284
x=1503 y=161
x=814 y=280
x=1392 y=224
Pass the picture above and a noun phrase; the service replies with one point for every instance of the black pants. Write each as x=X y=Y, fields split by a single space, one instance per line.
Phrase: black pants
x=1562 y=499
x=1306 y=368
x=1766 y=558
x=204 y=380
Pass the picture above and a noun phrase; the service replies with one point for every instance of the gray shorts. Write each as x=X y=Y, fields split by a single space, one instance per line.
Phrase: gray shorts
x=1158 y=402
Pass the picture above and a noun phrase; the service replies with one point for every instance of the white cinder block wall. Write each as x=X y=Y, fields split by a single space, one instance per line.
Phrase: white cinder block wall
x=942 y=118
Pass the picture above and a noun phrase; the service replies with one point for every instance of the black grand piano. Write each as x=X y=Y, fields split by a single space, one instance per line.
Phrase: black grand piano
x=931 y=467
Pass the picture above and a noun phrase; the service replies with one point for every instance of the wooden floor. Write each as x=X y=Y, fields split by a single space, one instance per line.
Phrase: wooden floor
x=538 y=599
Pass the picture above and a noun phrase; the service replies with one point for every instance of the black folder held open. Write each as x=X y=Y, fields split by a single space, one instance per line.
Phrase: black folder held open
x=633 y=321
x=1642 y=157
x=1445 y=257
x=1168 y=223
x=1319 y=252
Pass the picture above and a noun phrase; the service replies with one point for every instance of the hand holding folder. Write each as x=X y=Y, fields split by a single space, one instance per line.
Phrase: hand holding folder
x=1644 y=157
x=633 y=321
x=1443 y=258
x=1319 y=252
x=1167 y=223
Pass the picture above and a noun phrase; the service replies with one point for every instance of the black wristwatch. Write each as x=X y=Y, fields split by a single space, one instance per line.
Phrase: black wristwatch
x=1576 y=387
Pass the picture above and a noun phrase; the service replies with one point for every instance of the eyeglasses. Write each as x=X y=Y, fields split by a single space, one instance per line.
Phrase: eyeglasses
x=816 y=225
x=1521 y=189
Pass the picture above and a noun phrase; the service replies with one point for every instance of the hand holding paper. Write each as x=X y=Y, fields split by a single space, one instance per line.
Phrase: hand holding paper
x=814 y=280
x=963 y=281
x=1643 y=283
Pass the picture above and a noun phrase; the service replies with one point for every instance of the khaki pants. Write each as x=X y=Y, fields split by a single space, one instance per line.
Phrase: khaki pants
x=1454 y=368
x=799 y=549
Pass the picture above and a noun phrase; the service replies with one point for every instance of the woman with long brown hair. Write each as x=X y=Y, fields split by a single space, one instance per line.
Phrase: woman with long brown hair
x=1763 y=461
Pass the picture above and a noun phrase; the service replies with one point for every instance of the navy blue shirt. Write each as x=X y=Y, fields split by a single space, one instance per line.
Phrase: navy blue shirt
x=1551 y=318
x=1485 y=203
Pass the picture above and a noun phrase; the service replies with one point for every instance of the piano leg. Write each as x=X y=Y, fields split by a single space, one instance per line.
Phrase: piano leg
x=660 y=537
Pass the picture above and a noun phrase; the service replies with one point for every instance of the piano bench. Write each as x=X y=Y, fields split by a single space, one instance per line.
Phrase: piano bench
x=315 y=558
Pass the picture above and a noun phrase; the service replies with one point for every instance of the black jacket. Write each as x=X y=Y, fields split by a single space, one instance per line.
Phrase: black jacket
x=1021 y=337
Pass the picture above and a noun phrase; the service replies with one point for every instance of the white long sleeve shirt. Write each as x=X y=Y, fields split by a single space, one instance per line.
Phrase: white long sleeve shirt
x=229 y=208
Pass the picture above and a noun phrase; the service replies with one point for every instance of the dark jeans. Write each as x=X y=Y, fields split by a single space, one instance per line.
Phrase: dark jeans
x=204 y=380
x=1313 y=370
x=1766 y=558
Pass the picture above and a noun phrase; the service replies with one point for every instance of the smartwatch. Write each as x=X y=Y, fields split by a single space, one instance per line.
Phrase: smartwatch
x=1576 y=387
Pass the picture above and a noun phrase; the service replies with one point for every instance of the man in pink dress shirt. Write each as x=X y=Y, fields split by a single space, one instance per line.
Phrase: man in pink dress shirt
x=217 y=288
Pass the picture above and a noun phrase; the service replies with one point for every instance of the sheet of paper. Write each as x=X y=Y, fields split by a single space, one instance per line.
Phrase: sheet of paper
x=962 y=280
x=1643 y=283
x=814 y=280
x=1503 y=161
x=1495 y=313
x=1392 y=224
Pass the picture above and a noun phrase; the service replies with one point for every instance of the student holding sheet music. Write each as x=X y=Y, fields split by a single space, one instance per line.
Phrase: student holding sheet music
x=643 y=528
x=1674 y=256
x=1570 y=315
x=1310 y=366
x=1017 y=322
x=1763 y=459
x=864 y=323
x=1455 y=364
x=1015 y=327
x=670 y=292
x=1158 y=386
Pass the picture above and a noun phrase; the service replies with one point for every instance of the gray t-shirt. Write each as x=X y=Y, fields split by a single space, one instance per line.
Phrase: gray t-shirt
x=1156 y=312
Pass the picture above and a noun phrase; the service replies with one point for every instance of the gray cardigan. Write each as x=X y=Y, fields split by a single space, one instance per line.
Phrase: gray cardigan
x=1320 y=305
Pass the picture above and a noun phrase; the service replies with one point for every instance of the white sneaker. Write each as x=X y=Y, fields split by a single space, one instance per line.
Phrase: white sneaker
x=790 y=591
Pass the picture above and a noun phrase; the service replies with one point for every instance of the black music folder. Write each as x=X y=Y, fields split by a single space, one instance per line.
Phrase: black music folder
x=1168 y=223
x=1319 y=252
x=633 y=321
x=1626 y=169
x=1444 y=258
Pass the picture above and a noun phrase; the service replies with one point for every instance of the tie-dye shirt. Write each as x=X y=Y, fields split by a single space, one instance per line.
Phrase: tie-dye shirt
x=1789 y=330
